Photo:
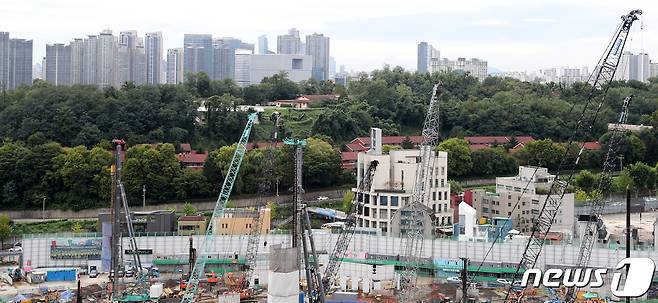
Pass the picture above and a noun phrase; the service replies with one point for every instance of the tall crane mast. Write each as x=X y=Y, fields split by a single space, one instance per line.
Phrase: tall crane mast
x=599 y=80
x=254 y=233
x=590 y=233
x=302 y=230
x=345 y=236
x=413 y=246
x=207 y=243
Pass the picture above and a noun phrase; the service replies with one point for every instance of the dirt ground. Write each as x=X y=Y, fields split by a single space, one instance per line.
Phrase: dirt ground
x=616 y=223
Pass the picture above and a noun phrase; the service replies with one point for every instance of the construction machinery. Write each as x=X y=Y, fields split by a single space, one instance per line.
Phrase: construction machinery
x=255 y=231
x=602 y=191
x=140 y=288
x=207 y=244
x=346 y=233
x=600 y=82
x=413 y=247
x=302 y=231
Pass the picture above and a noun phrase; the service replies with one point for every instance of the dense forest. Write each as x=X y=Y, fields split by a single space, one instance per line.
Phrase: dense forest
x=56 y=139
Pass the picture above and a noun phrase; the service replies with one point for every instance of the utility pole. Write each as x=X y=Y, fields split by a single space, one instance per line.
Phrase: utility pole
x=43 y=208
x=144 y=197
x=628 y=226
x=621 y=162
x=464 y=276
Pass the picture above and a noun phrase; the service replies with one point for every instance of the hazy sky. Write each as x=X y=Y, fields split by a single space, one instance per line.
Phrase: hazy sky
x=510 y=35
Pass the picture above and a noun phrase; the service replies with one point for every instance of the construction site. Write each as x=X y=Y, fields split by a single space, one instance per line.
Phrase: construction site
x=348 y=260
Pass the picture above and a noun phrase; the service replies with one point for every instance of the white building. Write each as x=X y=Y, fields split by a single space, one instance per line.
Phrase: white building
x=251 y=69
x=475 y=67
x=106 y=72
x=393 y=184
x=175 y=66
x=633 y=67
x=653 y=69
x=426 y=55
x=529 y=188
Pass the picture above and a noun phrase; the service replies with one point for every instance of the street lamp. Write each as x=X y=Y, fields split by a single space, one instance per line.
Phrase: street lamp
x=144 y=197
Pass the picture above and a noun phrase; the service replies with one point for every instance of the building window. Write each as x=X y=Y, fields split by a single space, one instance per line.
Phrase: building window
x=297 y=63
x=439 y=207
x=443 y=170
x=434 y=196
x=394 y=200
x=383 y=200
x=485 y=210
x=366 y=211
x=443 y=182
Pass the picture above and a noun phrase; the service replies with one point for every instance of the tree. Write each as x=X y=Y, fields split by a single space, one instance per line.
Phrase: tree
x=492 y=162
x=407 y=144
x=348 y=199
x=586 y=181
x=191 y=184
x=455 y=186
x=273 y=208
x=189 y=209
x=542 y=153
x=388 y=148
x=643 y=176
x=5 y=229
x=77 y=227
x=459 y=156
x=156 y=168
x=322 y=164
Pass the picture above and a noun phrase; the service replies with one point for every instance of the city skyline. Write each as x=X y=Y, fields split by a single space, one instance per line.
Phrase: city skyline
x=511 y=35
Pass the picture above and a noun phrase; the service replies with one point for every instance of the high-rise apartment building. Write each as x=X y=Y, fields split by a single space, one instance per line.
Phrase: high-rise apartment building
x=317 y=46
x=175 y=66
x=58 y=64
x=139 y=76
x=426 y=55
x=633 y=67
x=15 y=56
x=198 y=53
x=653 y=69
x=77 y=60
x=393 y=183
x=262 y=45
x=126 y=56
x=20 y=63
x=107 y=64
x=89 y=60
x=153 y=48
x=4 y=60
x=289 y=43
x=475 y=67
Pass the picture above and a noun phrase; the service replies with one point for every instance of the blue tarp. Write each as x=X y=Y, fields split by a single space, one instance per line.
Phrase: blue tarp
x=61 y=275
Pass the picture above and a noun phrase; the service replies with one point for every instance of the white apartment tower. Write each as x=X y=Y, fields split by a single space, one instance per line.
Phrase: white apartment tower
x=393 y=184
x=153 y=49
x=175 y=66
x=107 y=63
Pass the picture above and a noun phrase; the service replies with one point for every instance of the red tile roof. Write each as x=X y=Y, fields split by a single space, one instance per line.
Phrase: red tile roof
x=592 y=145
x=363 y=143
x=349 y=156
x=192 y=157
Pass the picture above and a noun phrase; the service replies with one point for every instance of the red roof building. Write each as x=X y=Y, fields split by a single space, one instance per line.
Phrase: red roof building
x=349 y=159
x=592 y=145
x=193 y=160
